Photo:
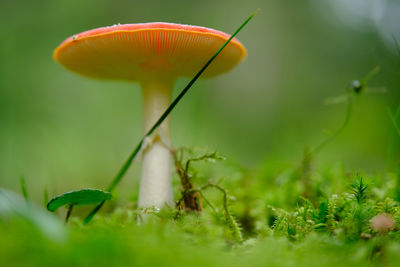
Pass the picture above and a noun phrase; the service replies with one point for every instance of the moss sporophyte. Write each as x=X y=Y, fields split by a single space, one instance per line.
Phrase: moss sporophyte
x=154 y=55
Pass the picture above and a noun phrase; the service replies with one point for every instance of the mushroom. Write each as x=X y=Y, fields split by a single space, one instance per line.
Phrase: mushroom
x=382 y=223
x=154 y=55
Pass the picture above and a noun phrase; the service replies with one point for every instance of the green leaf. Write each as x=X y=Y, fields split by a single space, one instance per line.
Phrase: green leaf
x=78 y=197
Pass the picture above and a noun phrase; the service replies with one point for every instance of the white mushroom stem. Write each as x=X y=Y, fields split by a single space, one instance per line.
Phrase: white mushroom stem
x=155 y=184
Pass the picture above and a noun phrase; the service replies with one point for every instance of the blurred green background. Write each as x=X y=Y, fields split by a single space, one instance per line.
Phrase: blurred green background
x=65 y=132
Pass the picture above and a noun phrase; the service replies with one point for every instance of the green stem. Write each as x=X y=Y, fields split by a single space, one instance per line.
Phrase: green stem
x=232 y=223
x=393 y=120
x=339 y=131
x=69 y=212
x=24 y=189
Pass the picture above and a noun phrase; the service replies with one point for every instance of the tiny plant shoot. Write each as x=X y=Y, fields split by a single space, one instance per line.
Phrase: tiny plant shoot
x=24 y=189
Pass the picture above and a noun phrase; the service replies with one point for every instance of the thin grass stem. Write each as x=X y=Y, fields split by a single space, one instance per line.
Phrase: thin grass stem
x=393 y=120
x=69 y=212
x=24 y=189
x=346 y=121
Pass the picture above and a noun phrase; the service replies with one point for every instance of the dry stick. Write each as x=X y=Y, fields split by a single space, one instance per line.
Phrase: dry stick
x=128 y=162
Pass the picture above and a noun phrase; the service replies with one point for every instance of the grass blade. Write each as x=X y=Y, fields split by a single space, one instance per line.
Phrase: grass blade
x=396 y=44
x=24 y=189
x=69 y=212
x=394 y=119
x=394 y=151
x=128 y=162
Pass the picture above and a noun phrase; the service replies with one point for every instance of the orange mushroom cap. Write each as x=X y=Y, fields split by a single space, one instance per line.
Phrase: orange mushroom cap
x=134 y=51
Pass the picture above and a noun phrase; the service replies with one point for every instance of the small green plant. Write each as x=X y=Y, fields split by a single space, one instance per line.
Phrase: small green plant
x=359 y=190
x=354 y=89
x=78 y=197
x=191 y=199
x=233 y=225
x=192 y=196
